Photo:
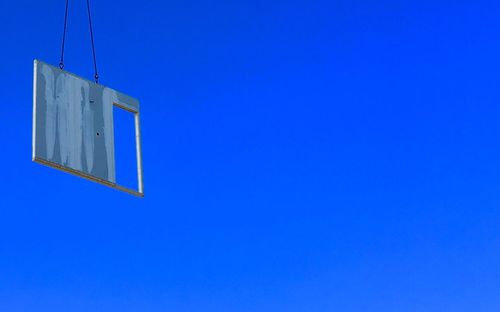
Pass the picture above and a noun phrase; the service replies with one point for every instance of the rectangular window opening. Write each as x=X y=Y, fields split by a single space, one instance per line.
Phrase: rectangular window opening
x=125 y=148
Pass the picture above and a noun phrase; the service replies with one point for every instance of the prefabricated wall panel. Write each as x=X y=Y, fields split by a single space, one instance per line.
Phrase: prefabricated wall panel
x=73 y=125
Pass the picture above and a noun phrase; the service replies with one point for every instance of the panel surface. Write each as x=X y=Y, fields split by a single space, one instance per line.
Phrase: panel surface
x=73 y=123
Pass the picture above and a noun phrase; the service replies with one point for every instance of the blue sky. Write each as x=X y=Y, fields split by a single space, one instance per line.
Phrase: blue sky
x=298 y=156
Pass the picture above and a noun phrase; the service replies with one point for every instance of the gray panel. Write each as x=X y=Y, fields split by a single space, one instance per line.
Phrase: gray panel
x=73 y=122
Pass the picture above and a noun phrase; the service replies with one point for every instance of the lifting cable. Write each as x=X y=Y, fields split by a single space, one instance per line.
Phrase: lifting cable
x=61 y=63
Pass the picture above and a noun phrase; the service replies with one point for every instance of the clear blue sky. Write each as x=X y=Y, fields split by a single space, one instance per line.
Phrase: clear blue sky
x=298 y=156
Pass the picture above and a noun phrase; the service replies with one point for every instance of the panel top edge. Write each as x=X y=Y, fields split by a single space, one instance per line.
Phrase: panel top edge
x=37 y=61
